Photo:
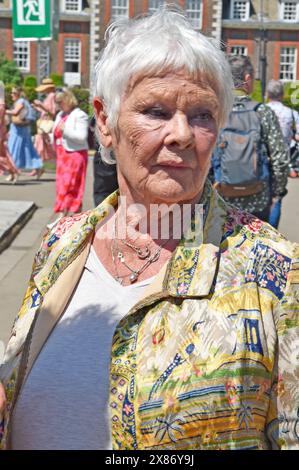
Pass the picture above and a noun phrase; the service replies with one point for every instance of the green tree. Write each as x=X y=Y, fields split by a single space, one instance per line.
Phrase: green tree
x=30 y=81
x=256 y=95
x=57 y=79
x=9 y=72
x=82 y=95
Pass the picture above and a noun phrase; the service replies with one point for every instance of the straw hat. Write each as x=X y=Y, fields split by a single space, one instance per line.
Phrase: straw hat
x=46 y=85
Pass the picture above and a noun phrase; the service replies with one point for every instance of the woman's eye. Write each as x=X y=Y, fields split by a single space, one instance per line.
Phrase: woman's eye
x=157 y=112
x=202 y=116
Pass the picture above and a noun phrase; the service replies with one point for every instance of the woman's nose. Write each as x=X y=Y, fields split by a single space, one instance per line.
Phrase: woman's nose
x=180 y=132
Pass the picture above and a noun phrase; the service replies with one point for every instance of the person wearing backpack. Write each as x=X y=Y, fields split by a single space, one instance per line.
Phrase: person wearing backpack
x=288 y=119
x=19 y=142
x=250 y=161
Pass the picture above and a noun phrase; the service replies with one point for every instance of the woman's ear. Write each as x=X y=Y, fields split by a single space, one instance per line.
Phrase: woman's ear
x=101 y=120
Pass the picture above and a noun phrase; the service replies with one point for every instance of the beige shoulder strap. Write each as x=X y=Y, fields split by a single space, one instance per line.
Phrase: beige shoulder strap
x=53 y=306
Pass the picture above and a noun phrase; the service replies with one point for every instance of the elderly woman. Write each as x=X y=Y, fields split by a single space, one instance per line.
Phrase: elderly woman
x=70 y=137
x=131 y=339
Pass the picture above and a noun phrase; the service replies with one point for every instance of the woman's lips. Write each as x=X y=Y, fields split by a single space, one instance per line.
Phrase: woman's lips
x=173 y=164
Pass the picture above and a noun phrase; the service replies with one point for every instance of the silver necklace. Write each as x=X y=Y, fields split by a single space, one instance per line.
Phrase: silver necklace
x=135 y=273
x=142 y=253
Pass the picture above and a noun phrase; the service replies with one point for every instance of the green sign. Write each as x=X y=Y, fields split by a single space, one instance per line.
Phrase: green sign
x=31 y=19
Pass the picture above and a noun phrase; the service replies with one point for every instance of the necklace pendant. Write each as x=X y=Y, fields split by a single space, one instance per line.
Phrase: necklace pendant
x=143 y=254
x=119 y=280
x=133 y=277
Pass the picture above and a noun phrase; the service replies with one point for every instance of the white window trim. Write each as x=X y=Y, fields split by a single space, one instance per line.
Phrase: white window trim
x=153 y=9
x=64 y=9
x=114 y=7
x=232 y=4
x=198 y=26
x=281 y=11
x=295 y=64
x=23 y=69
x=80 y=53
x=239 y=45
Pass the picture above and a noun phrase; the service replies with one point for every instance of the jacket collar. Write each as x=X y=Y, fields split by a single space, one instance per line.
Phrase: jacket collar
x=191 y=270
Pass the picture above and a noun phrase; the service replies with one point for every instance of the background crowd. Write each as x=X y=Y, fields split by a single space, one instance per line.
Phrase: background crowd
x=61 y=135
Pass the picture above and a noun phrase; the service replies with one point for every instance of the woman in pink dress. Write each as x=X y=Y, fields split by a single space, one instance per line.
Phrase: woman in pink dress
x=6 y=162
x=47 y=110
x=70 y=138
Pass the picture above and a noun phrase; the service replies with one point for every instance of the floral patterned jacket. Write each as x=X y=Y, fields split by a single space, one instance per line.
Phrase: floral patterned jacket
x=208 y=359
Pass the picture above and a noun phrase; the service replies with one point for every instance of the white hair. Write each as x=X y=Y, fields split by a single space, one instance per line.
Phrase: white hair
x=275 y=90
x=153 y=44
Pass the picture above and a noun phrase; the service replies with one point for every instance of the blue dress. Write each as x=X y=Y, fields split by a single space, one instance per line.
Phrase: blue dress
x=20 y=146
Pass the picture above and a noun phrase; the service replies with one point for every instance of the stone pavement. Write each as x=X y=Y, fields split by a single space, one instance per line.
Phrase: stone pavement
x=13 y=216
x=16 y=260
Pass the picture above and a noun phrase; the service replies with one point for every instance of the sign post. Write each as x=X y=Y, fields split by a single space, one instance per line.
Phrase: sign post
x=31 y=20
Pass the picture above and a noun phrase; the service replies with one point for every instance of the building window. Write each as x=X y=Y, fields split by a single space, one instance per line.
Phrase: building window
x=289 y=11
x=21 y=55
x=72 y=6
x=238 y=50
x=193 y=10
x=119 y=9
x=72 y=55
x=153 y=5
x=288 y=63
x=240 y=9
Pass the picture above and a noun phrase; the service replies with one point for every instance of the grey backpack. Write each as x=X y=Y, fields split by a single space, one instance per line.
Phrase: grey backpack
x=240 y=162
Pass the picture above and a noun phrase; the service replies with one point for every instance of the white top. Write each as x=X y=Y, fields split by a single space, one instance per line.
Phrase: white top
x=285 y=116
x=75 y=132
x=64 y=402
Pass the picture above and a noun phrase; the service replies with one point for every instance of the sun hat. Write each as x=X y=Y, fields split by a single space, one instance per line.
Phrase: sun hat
x=47 y=83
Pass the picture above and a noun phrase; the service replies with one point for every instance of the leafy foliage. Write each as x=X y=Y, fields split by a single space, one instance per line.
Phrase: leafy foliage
x=9 y=72
x=256 y=95
x=30 y=93
x=57 y=79
x=82 y=95
x=30 y=81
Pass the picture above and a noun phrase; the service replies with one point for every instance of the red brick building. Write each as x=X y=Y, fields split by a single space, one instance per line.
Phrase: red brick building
x=66 y=55
x=268 y=28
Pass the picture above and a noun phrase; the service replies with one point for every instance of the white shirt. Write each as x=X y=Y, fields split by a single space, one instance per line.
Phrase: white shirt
x=64 y=402
x=285 y=116
x=75 y=131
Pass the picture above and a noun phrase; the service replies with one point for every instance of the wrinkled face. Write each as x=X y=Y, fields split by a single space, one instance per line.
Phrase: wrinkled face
x=166 y=132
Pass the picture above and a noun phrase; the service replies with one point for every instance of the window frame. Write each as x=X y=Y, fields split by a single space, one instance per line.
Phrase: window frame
x=114 y=7
x=294 y=64
x=197 y=25
x=247 y=13
x=27 y=68
x=238 y=46
x=79 y=10
x=153 y=9
x=78 y=40
x=282 y=11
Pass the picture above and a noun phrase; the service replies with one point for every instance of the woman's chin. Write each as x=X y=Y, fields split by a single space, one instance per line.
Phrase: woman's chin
x=171 y=193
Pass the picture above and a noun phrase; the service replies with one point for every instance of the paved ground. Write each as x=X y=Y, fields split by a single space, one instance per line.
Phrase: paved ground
x=16 y=261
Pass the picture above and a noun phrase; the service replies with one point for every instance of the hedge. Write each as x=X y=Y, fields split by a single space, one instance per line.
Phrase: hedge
x=82 y=95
